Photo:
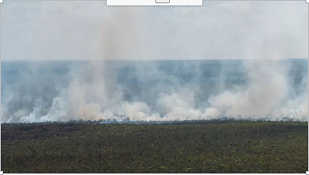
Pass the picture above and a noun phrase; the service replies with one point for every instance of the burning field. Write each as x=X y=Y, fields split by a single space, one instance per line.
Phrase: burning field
x=176 y=90
x=91 y=88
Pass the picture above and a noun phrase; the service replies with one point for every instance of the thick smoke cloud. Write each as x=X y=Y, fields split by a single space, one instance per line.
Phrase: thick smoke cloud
x=268 y=93
x=263 y=88
x=265 y=95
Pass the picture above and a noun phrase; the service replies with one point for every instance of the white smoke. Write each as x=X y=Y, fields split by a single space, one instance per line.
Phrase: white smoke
x=265 y=96
x=94 y=93
x=90 y=96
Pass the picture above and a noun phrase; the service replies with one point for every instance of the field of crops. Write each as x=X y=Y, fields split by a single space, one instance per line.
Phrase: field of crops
x=229 y=146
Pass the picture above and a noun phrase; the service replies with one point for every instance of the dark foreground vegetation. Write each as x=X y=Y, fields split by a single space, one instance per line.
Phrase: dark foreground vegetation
x=229 y=146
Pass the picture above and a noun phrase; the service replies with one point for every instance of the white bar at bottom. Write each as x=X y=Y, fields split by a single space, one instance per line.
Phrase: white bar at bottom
x=154 y=3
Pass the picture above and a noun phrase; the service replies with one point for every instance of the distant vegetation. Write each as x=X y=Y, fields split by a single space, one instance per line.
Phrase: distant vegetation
x=227 y=146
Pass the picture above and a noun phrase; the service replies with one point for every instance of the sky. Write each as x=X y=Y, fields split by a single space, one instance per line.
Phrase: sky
x=78 y=30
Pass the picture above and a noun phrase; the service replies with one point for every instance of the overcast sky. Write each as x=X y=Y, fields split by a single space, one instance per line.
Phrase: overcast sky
x=54 y=30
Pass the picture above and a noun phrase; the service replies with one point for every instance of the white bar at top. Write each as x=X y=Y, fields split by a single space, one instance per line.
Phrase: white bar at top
x=162 y=1
x=154 y=3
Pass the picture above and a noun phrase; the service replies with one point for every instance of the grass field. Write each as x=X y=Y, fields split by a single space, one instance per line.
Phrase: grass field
x=229 y=146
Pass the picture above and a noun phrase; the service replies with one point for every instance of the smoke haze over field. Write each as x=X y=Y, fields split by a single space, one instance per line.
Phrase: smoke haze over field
x=256 y=90
x=259 y=85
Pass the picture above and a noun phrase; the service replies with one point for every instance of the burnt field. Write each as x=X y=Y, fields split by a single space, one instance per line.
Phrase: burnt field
x=217 y=146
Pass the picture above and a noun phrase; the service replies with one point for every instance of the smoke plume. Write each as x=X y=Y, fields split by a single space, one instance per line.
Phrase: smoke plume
x=262 y=89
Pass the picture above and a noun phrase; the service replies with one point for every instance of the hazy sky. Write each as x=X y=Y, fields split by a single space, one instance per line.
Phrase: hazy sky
x=47 y=30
